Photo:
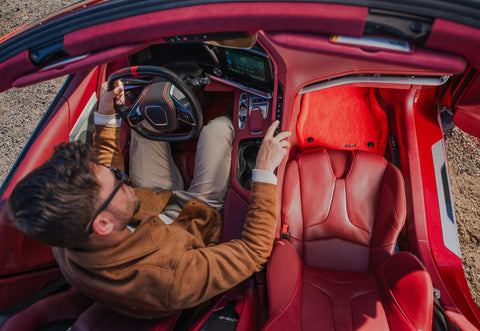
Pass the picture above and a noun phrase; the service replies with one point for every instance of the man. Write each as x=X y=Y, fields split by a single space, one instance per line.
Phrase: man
x=172 y=260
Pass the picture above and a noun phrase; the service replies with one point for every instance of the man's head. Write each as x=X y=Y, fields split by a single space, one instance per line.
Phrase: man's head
x=55 y=202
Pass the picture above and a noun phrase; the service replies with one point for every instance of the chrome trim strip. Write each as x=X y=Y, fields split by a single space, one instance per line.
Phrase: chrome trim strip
x=62 y=63
x=446 y=208
x=376 y=79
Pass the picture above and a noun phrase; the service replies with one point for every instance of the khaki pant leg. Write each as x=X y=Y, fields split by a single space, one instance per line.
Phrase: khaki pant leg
x=152 y=165
x=212 y=165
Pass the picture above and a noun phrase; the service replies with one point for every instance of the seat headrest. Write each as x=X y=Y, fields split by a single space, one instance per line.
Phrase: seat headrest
x=340 y=161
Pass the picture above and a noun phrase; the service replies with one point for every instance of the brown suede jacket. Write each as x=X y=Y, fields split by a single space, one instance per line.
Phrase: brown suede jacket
x=162 y=268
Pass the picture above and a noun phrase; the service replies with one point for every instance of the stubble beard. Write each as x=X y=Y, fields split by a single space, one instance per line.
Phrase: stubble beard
x=137 y=206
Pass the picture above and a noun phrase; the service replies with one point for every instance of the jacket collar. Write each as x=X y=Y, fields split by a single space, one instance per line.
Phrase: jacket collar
x=136 y=246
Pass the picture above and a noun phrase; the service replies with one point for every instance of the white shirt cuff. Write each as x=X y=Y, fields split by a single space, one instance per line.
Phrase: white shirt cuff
x=264 y=176
x=109 y=120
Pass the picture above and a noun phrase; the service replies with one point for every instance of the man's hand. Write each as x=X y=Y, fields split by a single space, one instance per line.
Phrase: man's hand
x=273 y=149
x=105 y=104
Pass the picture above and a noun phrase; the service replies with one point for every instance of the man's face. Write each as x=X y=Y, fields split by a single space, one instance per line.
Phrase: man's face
x=124 y=203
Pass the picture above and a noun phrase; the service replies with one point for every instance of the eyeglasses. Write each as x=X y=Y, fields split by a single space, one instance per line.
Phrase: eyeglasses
x=122 y=178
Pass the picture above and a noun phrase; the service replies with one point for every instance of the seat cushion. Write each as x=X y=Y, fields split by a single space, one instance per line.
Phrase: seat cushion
x=339 y=300
x=398 y=296
x=310 y=298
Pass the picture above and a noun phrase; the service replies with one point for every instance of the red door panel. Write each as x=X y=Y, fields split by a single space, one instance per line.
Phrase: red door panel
x=462 y=96
x=467 y=108
x=25 y=264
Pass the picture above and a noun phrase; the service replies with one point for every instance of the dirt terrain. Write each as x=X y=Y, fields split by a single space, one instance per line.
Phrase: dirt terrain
x=463 y=153
x=21 y=110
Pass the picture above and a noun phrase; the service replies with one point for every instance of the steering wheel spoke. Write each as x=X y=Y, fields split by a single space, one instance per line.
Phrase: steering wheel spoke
x=158 y=101
x=134 y=117
x=129 y=84
x=184 y=114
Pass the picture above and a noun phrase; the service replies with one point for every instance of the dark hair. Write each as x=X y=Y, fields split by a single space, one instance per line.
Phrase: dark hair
x=54 y=203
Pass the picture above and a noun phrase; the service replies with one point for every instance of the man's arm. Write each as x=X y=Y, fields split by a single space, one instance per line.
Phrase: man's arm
x=203 y=273
x=106 y=139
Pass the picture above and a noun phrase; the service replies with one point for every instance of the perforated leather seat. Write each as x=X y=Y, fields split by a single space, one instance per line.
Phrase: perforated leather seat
x=338 y=270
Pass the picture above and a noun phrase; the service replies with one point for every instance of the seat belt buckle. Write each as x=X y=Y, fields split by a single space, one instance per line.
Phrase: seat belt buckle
x=285 y=231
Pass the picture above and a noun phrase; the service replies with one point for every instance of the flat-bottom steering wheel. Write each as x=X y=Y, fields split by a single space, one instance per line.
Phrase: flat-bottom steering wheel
x=159 y=105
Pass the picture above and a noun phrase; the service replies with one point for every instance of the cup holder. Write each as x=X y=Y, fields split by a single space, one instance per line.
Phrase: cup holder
x=247 y=157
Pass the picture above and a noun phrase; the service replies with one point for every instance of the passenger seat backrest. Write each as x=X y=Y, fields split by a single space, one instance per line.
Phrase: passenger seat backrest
x=344 y=208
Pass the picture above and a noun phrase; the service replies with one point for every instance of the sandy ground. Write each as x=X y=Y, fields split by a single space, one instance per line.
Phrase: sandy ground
x=463 y=153
x=22 y=109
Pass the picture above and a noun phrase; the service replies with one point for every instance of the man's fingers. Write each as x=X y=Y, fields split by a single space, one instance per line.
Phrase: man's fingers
x=271 y=128
x=283 y=135
x=119 y=100
x=118 y=83
x=108 y=98
x=284 y=144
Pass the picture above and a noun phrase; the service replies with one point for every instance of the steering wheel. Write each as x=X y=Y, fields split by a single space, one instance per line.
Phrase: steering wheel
x=159 y=104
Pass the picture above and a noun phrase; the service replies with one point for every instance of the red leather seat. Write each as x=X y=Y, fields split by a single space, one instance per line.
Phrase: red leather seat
x=73 y=309
x=62 y=308
x=338 y=270
x=185 y=161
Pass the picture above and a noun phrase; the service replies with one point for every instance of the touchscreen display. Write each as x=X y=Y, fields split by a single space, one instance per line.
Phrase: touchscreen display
x=243 y=64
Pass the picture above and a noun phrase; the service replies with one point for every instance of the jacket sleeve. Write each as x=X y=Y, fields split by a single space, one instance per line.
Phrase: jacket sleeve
x=106 y=143
x=203 y=273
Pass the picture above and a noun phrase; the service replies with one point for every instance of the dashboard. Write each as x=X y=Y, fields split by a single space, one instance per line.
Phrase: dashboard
x=247 y=69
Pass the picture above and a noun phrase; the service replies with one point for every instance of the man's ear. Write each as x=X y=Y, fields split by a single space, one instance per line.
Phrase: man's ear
x=102 y=225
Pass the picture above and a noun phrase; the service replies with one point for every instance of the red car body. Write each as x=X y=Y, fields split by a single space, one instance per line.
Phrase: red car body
x=426 y=56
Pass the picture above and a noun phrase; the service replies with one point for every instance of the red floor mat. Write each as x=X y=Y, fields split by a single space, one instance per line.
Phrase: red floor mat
x=342 y=118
